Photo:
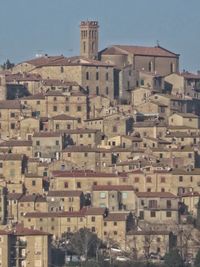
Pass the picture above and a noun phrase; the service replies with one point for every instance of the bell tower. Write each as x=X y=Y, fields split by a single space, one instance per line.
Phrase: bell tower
x=89 y=38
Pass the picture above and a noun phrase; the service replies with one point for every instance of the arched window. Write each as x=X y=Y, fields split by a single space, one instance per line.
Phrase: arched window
x=84 y=47
x=150 y=66
x=172 y=68
x=93 y=46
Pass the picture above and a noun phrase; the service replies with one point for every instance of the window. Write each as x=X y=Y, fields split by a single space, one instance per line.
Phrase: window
x=149 y=180
x=153 y=214
x=1 y=164
x=61 y=69
x=115 y=223
x=65 y=184
x=57 y=126
x=169 y=204
x=105 y=233
x=87 y=75
x=93 y=219
x=158 y=239
x=81 y=136
x=57 y=143
x=79 y=108
x=124 y=195
x=12 y=126
x=68 y=229
x=41 y=219
x=105 y=223
x=150 y=66
x=85 y=154
x=67 y=108
x=93 y=229
x=78 y=185
x=37 y=143
x=115 y=232
x=162 y=189
x=168 y=214
x=136 y=179
x=142 y=82
x=12 y=115
x=152 y=204
x=107 y=90
x=107 y=76
x=54 y=108
x=148 y=189
x=191 y=178
x=69 y=155
x=190 y=155
x=68 y=220
x=180 y=178
x=33 y=182
x=55 y=98
x=97 y=76
x=97 y=90
x=114 y=129
x=162 y=179
x=102 y=195
x=52 y=228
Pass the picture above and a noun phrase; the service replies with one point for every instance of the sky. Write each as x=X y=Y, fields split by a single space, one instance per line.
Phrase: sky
x=28 y=27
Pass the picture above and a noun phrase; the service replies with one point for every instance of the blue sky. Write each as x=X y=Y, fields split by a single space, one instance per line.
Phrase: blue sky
x=52 y=26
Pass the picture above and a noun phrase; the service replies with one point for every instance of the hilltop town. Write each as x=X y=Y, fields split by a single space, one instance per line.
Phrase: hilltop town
x=106 y=142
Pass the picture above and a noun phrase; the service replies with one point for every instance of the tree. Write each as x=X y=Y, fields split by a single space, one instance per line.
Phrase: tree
x=198 y=215
x=8 y=65
x=197 y=260
x=84 y=243
x=173 y=259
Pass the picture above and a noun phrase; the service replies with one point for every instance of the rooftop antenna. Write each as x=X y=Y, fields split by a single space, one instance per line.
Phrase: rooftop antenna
x=158 y=43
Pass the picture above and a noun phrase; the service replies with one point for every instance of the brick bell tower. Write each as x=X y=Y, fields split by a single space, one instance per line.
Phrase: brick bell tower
x=89 y=38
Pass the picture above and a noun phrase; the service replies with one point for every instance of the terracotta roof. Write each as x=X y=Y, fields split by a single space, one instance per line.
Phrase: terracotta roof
x=141 y=50
x=86 y=149
x=13 y=143
x=66 y=214
x=10 y=104
x=29 y=77
x=14 y=196
x=187 y=115
x=63 y=117
x=55 y=93
x=47 y=134
x=112 y=188
x=73 y=193
x=95 y=211
x=28 y=198
x=189 y=75
x=54 y=82
x=80 y=131
x=116 y=216
x=83 y=174
x=155 y=194
x=4 y=232
x=22 y=231
x=11 y=156
x=78 y=61
x=40 y=61
x=33 y=97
